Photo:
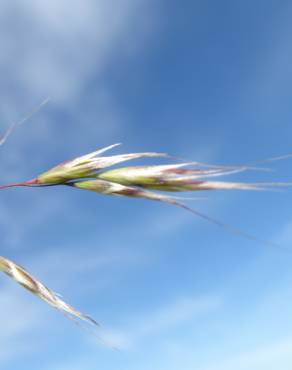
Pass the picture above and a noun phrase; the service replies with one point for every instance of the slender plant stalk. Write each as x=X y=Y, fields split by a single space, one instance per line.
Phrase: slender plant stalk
x=14 y=125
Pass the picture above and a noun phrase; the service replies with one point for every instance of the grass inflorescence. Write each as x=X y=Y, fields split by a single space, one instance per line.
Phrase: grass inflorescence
x=94 y=172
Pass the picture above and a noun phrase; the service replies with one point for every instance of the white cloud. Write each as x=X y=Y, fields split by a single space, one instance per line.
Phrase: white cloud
x=59 y=48
x=273 y=356
x=153 y=326
x=168 y=317
x=20 y=319
x=67 y=267
x=56 y=47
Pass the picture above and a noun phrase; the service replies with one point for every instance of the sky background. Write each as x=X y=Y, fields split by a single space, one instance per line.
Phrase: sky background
x=204 y=80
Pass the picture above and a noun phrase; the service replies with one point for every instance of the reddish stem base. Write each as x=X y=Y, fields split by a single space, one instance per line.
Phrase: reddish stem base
x=33 y=182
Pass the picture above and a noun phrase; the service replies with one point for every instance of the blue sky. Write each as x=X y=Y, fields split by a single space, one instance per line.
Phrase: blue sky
x=204 y=80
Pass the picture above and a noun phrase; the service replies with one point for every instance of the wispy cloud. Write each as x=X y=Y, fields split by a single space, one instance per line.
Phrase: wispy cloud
x=65 y=268
x=20 y=319
x=57 y=49
x=64 y=44
x=273 y=356
x=164 y=319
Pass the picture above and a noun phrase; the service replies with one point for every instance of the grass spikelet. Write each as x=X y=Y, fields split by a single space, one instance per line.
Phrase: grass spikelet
x=177 y=179
x=26 y=280
x=87 y=166
x=82 y=167
x=91 y=172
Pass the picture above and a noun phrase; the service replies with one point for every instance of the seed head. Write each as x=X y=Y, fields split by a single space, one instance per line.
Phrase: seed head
x=87 y=166
x=174 y=178
x=22 y=277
